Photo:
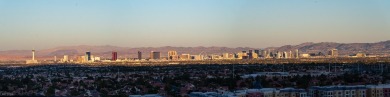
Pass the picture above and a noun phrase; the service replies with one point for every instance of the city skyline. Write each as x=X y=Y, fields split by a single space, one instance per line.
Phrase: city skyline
x=258 y=24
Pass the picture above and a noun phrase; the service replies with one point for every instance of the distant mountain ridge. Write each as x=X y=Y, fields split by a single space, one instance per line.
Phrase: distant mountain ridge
x=105 y=51
x=378 y=48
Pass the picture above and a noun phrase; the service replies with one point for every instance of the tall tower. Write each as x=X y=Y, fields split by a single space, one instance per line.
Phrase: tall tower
x=32 y=61
x=87 y=56
x=33 y=54
x=139 y=55
x=297 y=53
x=114 y=56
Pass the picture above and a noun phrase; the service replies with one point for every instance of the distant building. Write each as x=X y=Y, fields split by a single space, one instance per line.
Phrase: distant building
x=96 y=58
x=214 y=57
x=359 y=55
x=241 y=55
x=185 y=56
x=265 y=54
x=155 y=55
x=279 y=54
x=81 y=59
x=32 y=61
x=139 y=55
x=257 y=52
x=250 y=56
x=88 y=56
x=285 y=55
x=296 y=53
x=66 y=58
x=254 y=56
x=172 y=55
x=339 y=91
x=197 y=57
x=225 y=55
x=333 y=53
x=305 y=55
x=114 y=56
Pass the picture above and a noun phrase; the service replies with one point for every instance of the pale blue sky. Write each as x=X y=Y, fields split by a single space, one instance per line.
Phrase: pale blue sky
x=26 y=24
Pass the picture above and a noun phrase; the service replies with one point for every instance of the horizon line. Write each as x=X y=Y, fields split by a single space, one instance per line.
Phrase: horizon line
x=191 y=46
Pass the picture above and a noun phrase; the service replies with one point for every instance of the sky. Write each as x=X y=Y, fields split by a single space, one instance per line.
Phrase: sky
x=43 y=24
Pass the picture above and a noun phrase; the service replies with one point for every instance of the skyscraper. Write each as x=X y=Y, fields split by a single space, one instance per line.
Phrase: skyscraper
x=333 y=53
x=250 y=56
x=285 y=55
x=172 y=55
x=114 y=56
x=154 y=55
x=225 y=55
x=297 y=53
x=33 y=55
x=139 y=55
x=66 y=59
x=257 y=52
x=88 y=56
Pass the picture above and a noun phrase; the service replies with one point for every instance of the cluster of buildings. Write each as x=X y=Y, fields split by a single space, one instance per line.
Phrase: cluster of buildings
x=350 y=91
x=264 y=92
x=315 y=91
x=173 y=55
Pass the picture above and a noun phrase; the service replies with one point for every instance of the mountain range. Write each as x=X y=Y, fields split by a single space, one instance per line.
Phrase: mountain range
x=378 y=48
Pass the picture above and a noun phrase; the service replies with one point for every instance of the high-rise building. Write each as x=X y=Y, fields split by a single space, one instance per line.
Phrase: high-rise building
x=333 y=53
x=154 y=55
x=285 y=55
x=296 y=53
x=254 y=56
x=257 y=52
x=114 y=56
x=139 y=55
x=250 y=56
x=172 y=55
x=279 y=54
x=88 y=56
x=33 y=55
x=225 y=55
x=66 y=58
x=265 y=55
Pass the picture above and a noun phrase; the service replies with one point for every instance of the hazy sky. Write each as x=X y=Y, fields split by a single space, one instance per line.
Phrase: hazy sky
x=40 y=24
